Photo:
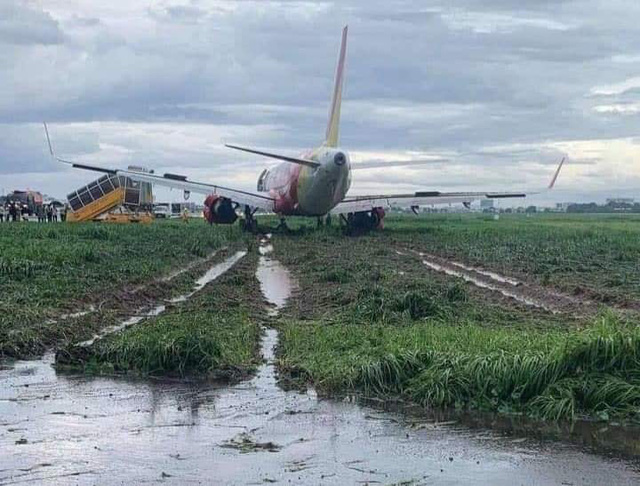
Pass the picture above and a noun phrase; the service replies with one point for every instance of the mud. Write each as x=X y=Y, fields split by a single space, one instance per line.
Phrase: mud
x=209 y=276
x=82 y=320
x=67 y=429
x=524 y=293
x=192 y=266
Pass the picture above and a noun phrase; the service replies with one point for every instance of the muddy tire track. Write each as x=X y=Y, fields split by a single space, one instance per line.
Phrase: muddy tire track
x=528 y=294
x=77 y=350
x=102 y=310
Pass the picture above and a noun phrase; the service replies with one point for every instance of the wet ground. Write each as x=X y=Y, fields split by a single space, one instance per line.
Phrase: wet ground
x=65 y=429
x=525 y=293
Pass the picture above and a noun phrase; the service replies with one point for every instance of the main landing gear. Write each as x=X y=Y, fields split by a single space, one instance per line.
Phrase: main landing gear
x=362 y=221
x=249 y=223
x=324 y=221
x=282 y=226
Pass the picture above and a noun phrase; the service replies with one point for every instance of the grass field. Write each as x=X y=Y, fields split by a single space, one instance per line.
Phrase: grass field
x=368 y=316
x=594 y=255
x=214 y=334
x=48 y=270
x=372 y=321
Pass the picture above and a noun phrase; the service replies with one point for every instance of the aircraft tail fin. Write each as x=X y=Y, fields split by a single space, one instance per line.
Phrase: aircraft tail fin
x=333 y=126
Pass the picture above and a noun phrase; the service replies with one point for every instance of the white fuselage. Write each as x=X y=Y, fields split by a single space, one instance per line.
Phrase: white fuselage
x=309 y=191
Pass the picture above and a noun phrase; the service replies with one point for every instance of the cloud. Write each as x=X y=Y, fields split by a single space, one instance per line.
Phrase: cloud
x=23 y=24
x=502 y=88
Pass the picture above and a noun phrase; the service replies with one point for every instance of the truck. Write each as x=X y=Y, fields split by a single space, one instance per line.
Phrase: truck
x=29 y=201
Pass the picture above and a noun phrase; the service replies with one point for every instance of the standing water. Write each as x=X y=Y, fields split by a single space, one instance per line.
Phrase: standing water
x=76 y=430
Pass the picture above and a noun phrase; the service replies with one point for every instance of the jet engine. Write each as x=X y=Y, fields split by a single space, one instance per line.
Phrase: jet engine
x=377 y=217
x=219 y=210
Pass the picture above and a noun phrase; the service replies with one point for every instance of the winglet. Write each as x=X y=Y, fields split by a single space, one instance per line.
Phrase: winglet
x=557 y=173
x=73 y=164
x=46 y=131
x=333 y=126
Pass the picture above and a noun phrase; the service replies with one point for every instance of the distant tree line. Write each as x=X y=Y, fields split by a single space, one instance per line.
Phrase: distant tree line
x=605 y=208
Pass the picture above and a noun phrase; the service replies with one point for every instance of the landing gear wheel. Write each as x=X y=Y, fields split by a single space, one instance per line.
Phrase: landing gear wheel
x=363 y=221
x=283 y=225
x=249 y=223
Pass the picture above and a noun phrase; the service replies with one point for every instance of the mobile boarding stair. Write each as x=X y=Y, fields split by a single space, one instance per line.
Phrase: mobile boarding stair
x=111 y=198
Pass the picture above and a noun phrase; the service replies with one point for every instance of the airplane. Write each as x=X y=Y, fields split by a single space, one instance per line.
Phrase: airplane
x=315 y=183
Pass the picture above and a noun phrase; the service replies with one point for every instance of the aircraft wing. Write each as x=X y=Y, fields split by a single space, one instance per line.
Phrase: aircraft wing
x=176 y=181
x=367 y=203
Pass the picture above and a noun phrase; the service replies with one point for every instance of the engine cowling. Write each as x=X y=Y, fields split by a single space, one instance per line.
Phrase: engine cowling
x=377 y=215
x=219 y=210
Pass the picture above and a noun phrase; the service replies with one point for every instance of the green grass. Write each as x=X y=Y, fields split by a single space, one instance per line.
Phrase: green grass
x=49 y=269
x=543 y=373
x=596 y=255
x=363 y=279
x=370 y=321
x=214 y=334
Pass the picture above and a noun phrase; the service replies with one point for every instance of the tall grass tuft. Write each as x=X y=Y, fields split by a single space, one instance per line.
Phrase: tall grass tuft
x=553 y=375
x=162 y=347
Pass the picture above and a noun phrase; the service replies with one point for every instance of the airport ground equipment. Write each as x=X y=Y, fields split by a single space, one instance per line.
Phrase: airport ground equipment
x=108 y=193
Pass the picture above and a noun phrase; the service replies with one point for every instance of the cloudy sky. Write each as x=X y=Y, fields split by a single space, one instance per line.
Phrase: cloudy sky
x=500 y=88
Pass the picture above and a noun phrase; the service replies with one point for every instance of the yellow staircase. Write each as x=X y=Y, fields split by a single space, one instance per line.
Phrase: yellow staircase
x=99 y=198
x=98 y=207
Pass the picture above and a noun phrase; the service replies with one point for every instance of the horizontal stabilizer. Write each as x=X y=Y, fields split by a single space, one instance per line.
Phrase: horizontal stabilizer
x=286 y=158
x=383 y=164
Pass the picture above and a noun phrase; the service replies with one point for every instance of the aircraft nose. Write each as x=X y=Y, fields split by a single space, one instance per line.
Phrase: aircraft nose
x=339 y=159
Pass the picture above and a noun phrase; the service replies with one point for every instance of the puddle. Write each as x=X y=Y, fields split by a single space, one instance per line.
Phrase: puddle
x=213 y=273
x=75 y=315
x=275 y=280
x=492 y=275
x=541 y=298
x=190 y=266
x=123 y=325
x=72 y=429
x=134 y=320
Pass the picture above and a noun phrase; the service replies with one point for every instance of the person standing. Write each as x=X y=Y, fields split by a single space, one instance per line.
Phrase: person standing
x=13 y=212
x=2 y=213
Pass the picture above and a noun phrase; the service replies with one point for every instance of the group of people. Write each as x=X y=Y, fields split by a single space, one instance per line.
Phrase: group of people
x=11 y=211
x=46 y=213
x=51 y=214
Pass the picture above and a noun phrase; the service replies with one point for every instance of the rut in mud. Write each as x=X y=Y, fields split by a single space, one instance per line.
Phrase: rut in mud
x=522 y=292
x=143 y=313
x=100 y=310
